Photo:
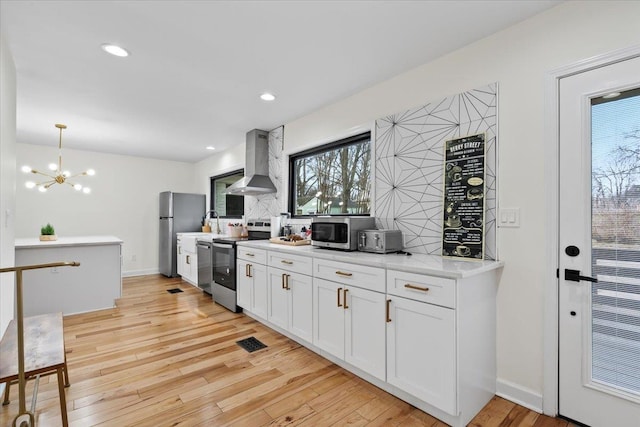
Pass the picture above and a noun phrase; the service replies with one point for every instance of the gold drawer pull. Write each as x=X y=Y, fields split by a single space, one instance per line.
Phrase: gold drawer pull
x=417 y=288
x=339 y=304
x=388 y=311
x=284 y=261
x=249 y=254
x=345 y=298
x=342 y=273
x=188 y=259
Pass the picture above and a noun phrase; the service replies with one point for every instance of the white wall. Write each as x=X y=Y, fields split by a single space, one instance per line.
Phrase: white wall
x=518 y=59
x=123 y=202
x=219 y=163
x=7 y=181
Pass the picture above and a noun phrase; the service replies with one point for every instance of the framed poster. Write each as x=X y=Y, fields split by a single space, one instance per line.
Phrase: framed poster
x=464 y=188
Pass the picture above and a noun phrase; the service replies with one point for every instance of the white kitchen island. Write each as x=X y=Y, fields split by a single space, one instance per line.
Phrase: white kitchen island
x=94 y=285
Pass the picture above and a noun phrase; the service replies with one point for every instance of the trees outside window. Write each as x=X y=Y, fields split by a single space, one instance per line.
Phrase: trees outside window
x=334 y=179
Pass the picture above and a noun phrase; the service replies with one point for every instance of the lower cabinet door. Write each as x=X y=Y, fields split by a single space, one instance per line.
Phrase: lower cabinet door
x=179 y=261
x=278 y=296
x=244 y=284
x=365 y=330
x=259 y=295
x=421 y=353
x=300 y=306
x=328 y=316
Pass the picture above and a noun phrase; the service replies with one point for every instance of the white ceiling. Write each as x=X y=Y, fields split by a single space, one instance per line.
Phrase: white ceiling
x=197 y=68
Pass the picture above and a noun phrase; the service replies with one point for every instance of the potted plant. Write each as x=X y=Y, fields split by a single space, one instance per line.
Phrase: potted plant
x=47 y=232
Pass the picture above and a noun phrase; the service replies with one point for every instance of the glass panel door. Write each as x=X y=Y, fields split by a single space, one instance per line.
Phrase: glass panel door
x=615 y=204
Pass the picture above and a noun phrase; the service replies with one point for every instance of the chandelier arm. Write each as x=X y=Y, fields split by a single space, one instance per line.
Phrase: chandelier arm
x=43 y=174
x=60 y=151
x=45 y=182
x=78 y=174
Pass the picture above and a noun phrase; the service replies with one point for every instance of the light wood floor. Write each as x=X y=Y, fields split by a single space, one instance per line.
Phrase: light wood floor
x=162 y=359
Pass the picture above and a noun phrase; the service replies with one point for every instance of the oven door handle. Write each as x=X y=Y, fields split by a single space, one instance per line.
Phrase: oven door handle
x=223 y=246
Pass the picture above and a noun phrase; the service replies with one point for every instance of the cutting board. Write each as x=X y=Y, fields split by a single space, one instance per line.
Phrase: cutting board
x=291 y=243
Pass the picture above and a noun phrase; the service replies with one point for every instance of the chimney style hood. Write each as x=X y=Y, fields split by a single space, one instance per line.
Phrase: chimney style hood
x=256 y=170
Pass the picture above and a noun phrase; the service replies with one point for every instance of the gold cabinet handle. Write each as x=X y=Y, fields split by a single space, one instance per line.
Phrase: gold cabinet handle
x=246 y=270
x=249 y=254
x=339 y=304
x=188 y=259
x=284 y=261
x=417 y=288
x=345 y=298
x=342 y=273
x=283 y=278
x=286 y=281
x=250 y=269
x=388 y=319
x=179 y=250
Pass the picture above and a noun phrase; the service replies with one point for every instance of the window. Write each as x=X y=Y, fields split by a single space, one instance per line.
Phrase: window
x=334 y=179
x=227 y=205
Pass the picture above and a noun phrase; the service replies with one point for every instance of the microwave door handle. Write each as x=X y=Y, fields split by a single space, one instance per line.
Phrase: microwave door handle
x=363 y=240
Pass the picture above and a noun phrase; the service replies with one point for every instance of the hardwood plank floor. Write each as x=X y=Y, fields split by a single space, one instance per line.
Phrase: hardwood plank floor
x=161 y=359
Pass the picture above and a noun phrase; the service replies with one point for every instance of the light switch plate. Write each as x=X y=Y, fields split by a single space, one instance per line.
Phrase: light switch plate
x=509 y=217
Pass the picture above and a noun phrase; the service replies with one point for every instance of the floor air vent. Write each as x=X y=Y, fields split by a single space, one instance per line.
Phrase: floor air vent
x=251 y=344
x=174 y=290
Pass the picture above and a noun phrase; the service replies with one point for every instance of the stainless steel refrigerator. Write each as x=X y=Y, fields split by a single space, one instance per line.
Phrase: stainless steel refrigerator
x=179 y=213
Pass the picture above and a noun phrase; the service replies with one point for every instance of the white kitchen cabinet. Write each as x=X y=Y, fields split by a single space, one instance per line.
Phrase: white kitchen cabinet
x=365 y=330
x=349 y=323
x=421 y=327
x=290 y=302
x=252 y=281
x=187 y=259
x=179 y=262
x=441 y=341
x=421 y=353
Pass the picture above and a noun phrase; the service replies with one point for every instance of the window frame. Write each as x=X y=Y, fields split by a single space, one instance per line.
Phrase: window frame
x=212 y=192
x=351 y=140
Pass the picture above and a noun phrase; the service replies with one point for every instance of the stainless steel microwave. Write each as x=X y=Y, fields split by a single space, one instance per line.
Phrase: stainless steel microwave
x=339 y=232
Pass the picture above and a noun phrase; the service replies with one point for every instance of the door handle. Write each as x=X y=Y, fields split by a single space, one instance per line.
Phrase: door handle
x=339 y=290
x=574 y=276
x=345 y=298
x=388 y=311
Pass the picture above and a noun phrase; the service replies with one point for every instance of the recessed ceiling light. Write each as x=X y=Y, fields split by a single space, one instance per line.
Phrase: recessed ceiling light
x=211 y=148
x=115 y=50
x=611 y=95
x=267 y=96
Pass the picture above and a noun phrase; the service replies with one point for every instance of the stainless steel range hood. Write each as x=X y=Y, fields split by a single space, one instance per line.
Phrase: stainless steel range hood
x=256 y=170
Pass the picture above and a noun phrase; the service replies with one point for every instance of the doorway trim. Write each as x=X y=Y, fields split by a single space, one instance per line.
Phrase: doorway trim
x=552 y=158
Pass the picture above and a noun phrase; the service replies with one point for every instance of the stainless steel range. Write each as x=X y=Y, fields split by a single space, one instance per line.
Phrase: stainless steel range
x=223 y=286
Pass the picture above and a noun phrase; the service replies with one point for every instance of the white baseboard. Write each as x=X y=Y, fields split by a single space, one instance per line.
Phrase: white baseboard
x=520 y=395
x=132 y=273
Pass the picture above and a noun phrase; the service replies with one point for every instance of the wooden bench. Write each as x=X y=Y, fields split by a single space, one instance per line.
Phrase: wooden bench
x=44 y=354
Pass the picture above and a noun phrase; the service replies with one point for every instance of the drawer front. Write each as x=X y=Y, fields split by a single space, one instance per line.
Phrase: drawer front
x=259 y=256
x=293 y=263
x=434 y=290
x=372 y=278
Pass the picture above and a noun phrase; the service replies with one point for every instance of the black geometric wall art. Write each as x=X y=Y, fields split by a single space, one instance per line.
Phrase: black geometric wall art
x=409 y=161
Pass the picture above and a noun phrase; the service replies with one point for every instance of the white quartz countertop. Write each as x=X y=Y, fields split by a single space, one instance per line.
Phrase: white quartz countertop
x=34 y=242
x=417 y=263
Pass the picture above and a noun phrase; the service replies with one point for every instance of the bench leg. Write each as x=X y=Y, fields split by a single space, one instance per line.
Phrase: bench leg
x=63 y=399
x=5 y=401
x=66 y=371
